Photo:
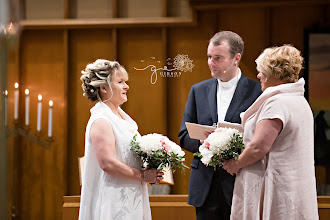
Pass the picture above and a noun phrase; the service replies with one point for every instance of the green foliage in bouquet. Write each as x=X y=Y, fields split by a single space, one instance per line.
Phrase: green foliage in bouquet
x=158 y=159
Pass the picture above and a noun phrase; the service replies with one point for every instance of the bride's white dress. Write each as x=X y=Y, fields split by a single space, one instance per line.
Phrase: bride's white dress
x=104 y=196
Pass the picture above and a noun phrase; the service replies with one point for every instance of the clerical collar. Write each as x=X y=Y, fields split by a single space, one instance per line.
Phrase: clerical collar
x=232 y=82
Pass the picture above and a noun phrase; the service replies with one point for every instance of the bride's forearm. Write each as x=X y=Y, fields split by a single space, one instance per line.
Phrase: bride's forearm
x=121 y=170
x=118 y=169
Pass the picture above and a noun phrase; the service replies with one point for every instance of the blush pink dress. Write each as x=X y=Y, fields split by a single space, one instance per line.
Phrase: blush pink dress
x=280 y=186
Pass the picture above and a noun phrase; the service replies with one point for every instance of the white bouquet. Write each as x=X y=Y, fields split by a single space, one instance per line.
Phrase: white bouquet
x=223 y=144
x=158 y=152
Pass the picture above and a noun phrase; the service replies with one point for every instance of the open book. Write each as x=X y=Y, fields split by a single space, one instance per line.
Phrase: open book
x=168 y=177
x=196 y=131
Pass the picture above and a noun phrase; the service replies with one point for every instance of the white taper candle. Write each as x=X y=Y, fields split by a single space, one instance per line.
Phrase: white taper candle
x=39 y=113
x=50 y=118
x=6 y=108
x=16 y=97
x=27 y=107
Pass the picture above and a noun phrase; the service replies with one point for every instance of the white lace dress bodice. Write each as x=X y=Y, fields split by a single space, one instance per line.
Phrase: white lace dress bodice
x=104 y=196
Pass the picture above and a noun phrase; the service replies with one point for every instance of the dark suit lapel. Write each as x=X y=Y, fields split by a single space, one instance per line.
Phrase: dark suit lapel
x=240 y=92
x=212 y=98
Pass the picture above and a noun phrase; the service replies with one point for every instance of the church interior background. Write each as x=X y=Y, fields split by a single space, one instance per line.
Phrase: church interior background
x=46 y=43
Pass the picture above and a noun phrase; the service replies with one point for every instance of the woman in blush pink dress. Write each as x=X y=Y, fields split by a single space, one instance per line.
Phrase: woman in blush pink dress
x=275 y=173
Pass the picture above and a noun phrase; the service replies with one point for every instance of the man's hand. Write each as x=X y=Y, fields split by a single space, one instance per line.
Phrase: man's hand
x=206 y=134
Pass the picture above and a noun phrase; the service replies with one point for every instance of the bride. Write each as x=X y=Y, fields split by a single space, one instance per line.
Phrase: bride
x=113 y=185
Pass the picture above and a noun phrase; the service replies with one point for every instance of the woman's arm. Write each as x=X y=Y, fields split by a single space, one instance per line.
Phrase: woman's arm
x=103 y=141
x=264 y=136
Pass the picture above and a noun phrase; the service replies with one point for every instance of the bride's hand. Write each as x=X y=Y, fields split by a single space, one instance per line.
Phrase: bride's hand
x=152 y=175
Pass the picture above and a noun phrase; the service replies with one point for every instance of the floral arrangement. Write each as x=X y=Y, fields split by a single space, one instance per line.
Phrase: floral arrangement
x=223 y=144
x=159 y=152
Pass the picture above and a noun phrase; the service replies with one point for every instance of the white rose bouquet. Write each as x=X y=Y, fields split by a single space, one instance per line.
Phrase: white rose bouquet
x=158 y=152
x=223 y=144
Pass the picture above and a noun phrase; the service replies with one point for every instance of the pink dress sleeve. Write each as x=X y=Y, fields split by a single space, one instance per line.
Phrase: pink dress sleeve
x=274 y=108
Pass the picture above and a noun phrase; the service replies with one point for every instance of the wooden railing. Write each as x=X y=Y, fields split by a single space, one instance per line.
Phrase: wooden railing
x=45 y=24
x=174 y=207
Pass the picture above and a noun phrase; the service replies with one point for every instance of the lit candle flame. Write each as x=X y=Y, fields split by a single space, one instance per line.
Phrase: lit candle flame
x=51 y=103
x=39 y=97
x=6 y=92
x=16 y=85
x=27 y=91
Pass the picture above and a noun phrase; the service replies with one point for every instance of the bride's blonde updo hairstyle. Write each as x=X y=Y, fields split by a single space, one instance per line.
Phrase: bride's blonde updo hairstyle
x=284 y=62
x=98 y=73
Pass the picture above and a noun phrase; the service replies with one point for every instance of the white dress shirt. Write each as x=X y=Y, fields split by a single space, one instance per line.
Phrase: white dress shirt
x=225 y=93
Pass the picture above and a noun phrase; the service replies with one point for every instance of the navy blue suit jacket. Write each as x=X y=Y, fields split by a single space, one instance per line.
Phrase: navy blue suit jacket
x=201 y=108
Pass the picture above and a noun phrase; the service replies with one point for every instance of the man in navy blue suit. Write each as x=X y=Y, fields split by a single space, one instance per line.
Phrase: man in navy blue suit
x=221 y=98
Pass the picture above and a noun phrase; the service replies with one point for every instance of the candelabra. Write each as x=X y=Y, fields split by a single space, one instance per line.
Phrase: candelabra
x=36 y=137
x=25 y=132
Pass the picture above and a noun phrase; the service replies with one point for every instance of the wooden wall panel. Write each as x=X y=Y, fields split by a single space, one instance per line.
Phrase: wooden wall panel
x=44 y=9
x=178 y=8
x=86 y=46
x=255 y=39
x=42 y=172
x=146 y=102
x=289 y=24
x=142 y=8
x=192 y=42
x=91 y=9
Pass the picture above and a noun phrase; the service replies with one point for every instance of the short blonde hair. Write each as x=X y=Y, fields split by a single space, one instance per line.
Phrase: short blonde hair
x=98 y=73
x=284 y=62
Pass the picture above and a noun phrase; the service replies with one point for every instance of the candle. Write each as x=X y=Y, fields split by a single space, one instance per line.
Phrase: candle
x=27 y=106
x=6 y=108
x=16 y=101
x=39 y=113
x=50 y=118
